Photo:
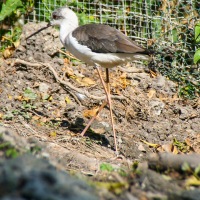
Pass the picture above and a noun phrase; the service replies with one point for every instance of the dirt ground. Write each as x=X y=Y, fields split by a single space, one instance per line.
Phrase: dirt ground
x=48 y=100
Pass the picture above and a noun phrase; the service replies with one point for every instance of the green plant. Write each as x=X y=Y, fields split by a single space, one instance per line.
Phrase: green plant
x=15 y=8
x=8 y=149
x=106 y=167
x=9 y=7
x=29 y=94
x=197 y=41
x=11 y=12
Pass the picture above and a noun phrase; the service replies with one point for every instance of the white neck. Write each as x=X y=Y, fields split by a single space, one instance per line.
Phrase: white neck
x=66 y=27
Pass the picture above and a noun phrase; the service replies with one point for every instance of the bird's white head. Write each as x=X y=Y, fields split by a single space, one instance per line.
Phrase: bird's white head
x=64 y=15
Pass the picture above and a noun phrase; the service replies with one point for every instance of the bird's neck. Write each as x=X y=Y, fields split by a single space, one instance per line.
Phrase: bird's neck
x=66 y=28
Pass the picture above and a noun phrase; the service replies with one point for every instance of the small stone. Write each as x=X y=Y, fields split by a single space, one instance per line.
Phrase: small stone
x=141 y=148
x=43 y=87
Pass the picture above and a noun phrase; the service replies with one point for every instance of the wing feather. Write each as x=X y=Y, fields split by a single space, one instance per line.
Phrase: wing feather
x=105 y=39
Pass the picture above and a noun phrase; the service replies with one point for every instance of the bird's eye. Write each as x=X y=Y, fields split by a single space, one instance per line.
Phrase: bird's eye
x=55 y=16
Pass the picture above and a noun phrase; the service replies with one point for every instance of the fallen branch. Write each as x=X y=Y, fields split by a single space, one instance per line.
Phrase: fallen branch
x=65 y=83
x=168 y=160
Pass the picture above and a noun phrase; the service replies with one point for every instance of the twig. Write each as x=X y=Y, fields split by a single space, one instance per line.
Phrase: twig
x=67 y=84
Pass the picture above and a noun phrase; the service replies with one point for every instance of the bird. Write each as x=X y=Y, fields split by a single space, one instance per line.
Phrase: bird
x=97 y=45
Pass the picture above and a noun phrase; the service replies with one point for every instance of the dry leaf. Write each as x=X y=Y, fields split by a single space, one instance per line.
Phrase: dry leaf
x=160 y=149
x=151 y=93
x=50 y=98
x=90 y=113
x=67 y=100
x=53 y=134
x=87 y=81
x=153 y=74
x=19 y=98
x=69 y=72
x=150 y=144
x=16 y=44
x=192 y=181
x=66 y=61
x=7 y=53
x=1 y=115
x=35 y=117
x=187 y=141
x=43 y=119
x=167 y=147
x=175 y=150
x=10 y=97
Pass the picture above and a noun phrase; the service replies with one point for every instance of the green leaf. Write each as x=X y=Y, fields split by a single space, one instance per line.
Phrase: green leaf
x=12 y=153
x=28 y=93
x=106 y=167
x=197 y=56
x=197 y=33
x=197 y=171
x=9 y=7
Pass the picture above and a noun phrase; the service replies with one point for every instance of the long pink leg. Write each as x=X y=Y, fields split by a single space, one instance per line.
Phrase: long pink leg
x=93 y=118
x=107 y=91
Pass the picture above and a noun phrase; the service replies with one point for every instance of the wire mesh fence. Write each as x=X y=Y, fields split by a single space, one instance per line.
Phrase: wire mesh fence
x=164 y=25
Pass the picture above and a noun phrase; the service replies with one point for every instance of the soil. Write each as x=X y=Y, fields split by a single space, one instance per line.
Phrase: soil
x=47 y=99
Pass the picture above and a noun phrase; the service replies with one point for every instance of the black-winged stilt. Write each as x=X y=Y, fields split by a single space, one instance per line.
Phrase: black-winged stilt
x=97 y=45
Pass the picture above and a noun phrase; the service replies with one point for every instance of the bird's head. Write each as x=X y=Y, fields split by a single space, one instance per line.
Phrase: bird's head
x=61 y=15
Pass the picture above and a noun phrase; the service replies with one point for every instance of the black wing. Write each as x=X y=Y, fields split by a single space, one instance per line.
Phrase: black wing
x=105 y=39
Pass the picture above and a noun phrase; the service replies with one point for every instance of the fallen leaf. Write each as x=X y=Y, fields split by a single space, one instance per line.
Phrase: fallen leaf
x=66 y=61
x=150 y=144
x=8 y=52
x=50 y=98
x=167 y=147
x=115 y=187
x=10 y=97
x=16 y=44
x=175 y=150
x=141 y=148
x=87 y=81
x=35 y=117
x=67 y=100
x=1 y=115
x=90 y=113
x=43 y=119
x=153 y=74
x=53 y=134
x=187 y=141
x=192 y=181
x=151 y=93
x=19 y=98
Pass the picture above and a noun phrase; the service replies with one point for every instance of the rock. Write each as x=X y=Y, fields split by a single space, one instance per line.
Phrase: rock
x=184 y=113
x=43 y=87
x=13 y=139
x=156 y=106
x=160 y=83
x=186 y=195
x=141 y=147
x=27 y=177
